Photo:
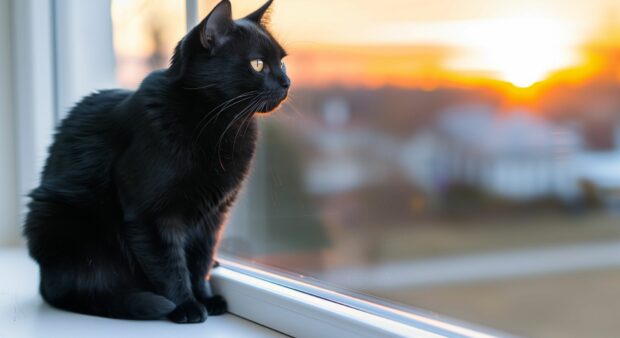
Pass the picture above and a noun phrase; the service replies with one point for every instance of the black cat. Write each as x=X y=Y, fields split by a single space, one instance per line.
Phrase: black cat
x=138 y=183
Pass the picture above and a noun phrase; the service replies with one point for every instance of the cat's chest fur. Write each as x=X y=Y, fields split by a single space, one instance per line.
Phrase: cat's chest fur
x=209 y=189
x=159 y=175
x=216 y=176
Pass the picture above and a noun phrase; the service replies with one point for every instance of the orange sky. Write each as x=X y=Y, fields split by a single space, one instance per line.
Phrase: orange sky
x=424 y=43
x=412 y=43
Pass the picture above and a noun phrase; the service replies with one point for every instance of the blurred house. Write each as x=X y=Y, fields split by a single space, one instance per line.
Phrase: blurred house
x=519 y=155
x=601 y=171
x=346 y=157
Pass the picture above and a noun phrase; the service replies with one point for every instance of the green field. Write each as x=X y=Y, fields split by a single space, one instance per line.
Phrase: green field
x=584 y=304
x=457 y=237
x=579 y=304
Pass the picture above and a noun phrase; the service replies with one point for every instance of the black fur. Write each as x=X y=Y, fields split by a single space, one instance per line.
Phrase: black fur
x=137 y=183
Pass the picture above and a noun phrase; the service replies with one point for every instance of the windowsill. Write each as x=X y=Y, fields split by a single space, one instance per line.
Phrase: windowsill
x=258 y=308
x=304 y=309
x=24 y=314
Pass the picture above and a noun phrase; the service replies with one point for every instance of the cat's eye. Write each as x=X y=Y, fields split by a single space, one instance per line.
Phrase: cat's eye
x=283 y=66
x=257 y=65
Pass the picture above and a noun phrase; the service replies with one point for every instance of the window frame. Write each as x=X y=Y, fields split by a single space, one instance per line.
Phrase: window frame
x=302 y=307
x=34 y=73
x=269 y=298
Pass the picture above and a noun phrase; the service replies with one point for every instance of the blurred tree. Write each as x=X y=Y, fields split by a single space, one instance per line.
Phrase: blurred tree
x=291 y=218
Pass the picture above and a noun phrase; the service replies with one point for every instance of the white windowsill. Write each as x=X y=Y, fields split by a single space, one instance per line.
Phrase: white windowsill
x=301 y=315
x=256 y=305
x=24 y=314
x=302 y=309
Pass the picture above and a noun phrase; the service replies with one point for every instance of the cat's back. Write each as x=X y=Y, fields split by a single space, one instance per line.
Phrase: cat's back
x=86 y=141
x=94 y=113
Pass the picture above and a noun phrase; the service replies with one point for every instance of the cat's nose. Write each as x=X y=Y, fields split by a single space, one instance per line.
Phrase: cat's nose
x=285 y=82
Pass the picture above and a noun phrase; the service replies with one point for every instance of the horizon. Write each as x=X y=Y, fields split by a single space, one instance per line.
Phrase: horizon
x=512 y=49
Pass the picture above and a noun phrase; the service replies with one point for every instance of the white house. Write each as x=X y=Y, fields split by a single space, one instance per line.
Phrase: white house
x=516 y=155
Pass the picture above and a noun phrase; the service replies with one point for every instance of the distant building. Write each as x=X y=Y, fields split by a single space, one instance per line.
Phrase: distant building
x=347 y=158
x=518 y=155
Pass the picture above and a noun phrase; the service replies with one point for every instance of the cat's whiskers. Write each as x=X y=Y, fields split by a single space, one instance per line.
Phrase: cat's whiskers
x=291 y=104
x=247 y=121
x=248 y=125
x=223 y=106
x=217 y=116
x=250 y=109
x=207 y=115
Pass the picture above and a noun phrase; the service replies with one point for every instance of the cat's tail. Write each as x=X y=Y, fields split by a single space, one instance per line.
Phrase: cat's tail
x=141 y=305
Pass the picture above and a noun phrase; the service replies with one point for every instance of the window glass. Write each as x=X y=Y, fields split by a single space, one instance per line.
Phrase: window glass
x=145 y=34
x=461 y=157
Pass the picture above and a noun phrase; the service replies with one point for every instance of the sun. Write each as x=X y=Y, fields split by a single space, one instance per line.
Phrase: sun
x=519 y=50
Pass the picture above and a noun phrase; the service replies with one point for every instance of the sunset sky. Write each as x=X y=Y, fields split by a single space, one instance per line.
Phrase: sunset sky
x=410 y=43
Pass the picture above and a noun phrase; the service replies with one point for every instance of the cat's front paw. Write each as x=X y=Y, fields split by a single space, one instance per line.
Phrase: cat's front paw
x=191 y=311
x=216 y=305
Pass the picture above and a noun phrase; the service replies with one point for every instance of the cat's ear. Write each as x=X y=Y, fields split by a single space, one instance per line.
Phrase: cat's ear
x=261 y=15
x=214 y=27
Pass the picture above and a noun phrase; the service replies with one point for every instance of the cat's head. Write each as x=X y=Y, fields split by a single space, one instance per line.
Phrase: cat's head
x=235 y=60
